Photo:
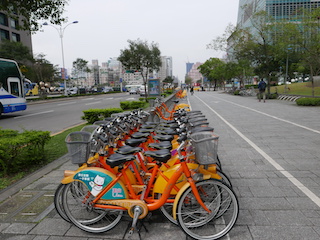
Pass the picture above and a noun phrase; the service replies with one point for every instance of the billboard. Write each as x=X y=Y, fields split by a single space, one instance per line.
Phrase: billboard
x=154 y=87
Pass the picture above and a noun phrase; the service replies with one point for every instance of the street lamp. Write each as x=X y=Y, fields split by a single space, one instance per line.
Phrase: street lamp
x=61 y=32
x=287 y=66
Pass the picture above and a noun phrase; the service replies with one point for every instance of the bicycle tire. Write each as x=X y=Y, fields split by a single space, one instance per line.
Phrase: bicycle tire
x=58 y=202
x=225 y=179
x=199 y=224
x=166 y=209
x=76 y=200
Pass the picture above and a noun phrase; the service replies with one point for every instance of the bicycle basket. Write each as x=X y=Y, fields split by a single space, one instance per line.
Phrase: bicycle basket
x=205 y=145
x=77 y=144
x=90 y=128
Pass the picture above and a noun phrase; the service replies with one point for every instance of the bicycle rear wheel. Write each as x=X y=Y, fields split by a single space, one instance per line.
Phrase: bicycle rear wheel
x=198 y=223
x=76 y=199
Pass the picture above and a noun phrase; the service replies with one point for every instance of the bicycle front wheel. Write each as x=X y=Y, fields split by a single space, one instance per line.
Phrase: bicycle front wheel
x=76 y=199
x=58 y=202
x=200 y=224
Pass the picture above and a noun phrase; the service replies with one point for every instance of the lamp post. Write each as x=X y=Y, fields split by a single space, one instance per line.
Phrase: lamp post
x=287 y=66
x=61 y=32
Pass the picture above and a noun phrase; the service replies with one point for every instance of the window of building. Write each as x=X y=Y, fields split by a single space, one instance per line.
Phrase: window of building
x=14 y=23
x=15 y=37
x=4 y=35
x=3 y=19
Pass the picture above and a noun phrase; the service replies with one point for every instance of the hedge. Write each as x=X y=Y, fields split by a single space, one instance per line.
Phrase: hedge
x=129 y=105
x=308 y=101
x=93 y=115
x=20 y=151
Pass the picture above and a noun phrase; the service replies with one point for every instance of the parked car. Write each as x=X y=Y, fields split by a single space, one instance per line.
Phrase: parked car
x=134 y=91
x=72 y=91
x=107 y=89
x=142 y=91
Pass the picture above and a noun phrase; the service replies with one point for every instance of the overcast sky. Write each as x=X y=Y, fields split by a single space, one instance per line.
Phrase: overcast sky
x=182 y=29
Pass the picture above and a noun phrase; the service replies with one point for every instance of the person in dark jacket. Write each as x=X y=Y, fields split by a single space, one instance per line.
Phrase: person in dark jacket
x=262 y=90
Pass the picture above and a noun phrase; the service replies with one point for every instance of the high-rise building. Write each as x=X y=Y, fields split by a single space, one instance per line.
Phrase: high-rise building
x=166 y=68
x=189 y=66
x=9 y=31
x=194 y=73
x=279 y=9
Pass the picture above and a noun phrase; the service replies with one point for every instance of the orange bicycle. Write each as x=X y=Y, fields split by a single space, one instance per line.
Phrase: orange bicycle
x=94 y=199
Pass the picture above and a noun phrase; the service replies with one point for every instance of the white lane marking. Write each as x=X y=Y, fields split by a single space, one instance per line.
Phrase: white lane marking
x=61 y=104
x=130 y=98
x=86 y=99
x=93 y=103
x=33 y=114
x=108 y=98
x=271 y=116
x=313 y=197
x=189 y=104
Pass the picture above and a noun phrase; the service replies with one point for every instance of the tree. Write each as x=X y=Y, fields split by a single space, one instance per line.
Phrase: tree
x=168 y=79
x=258 y=45
x=31 y=12
x=80 y=66
x=188 y=80
x=16 y=51
x=141 y=57
x=306 y=38
x=44 y=71
x=215 y=70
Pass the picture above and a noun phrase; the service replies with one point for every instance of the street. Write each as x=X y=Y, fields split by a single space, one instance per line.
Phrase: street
x=58 y=114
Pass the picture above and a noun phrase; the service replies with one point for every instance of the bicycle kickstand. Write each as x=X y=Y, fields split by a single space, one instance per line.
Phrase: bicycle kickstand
x=136 y=213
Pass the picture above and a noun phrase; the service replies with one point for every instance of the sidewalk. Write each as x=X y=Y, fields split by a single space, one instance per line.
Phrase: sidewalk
x=270 y=151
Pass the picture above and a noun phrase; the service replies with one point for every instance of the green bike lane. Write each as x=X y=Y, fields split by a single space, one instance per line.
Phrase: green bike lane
x=271 y=206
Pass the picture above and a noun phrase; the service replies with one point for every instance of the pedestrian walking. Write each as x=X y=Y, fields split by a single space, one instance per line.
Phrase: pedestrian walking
x=191 y=90
x=262 y=90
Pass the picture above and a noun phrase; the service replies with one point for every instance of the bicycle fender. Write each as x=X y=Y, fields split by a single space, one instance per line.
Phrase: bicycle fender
x=178 y=196
x=96 y=179
x=161 y=183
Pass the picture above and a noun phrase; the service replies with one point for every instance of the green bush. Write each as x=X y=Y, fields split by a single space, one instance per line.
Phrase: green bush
x=272 y=96
x=148 y=98
x=251 y=85
x=269 y=96
x=236 y=92
x=129 y=105
x=93 y=115
x=308 y=101
x=20 y=151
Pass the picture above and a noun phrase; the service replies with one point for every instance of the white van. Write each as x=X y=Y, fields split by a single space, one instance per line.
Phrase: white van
x=142 y=91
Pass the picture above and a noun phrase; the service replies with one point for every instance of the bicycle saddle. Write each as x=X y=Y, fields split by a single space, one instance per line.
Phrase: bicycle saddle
x=128 y=150
x=134 y=142
x=163 y=137
x=140 y=135
x=116 y=159
x=162 y=155
x=161 y=145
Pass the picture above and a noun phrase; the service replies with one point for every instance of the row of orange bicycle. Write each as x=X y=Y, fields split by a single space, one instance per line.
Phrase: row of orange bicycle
x=129 y=166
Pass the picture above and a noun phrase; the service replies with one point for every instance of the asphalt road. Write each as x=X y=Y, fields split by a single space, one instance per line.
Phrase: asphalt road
x=58 y=114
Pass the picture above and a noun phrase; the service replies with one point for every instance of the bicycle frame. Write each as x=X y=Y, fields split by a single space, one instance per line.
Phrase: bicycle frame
x=120 y=198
